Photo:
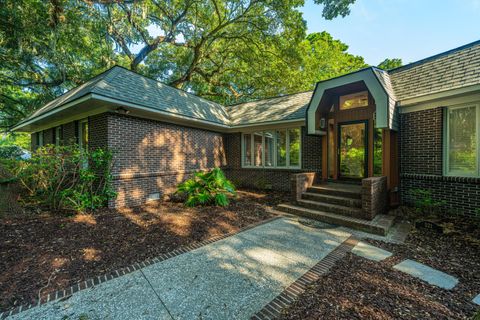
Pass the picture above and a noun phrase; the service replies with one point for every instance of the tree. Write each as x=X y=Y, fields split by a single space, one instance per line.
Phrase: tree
x=388 y=64
x=335 y=8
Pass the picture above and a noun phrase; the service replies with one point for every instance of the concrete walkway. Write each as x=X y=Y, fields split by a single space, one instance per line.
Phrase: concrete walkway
x=229 y=279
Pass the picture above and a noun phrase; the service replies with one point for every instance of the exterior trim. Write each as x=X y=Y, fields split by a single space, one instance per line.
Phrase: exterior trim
x=438 y=95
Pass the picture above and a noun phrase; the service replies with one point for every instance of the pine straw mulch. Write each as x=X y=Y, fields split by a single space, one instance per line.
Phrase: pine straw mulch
x=357 y=288
x=50 y=252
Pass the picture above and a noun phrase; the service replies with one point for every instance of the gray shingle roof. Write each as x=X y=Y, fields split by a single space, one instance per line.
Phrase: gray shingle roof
x=288 y=107
x=453 y=69
x=121 y=84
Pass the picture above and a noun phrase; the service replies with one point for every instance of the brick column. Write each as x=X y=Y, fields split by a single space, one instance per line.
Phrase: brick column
x=374 y=196
x=299 y=184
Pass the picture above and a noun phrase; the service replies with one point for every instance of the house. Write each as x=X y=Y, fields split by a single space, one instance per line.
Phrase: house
x=413 y=127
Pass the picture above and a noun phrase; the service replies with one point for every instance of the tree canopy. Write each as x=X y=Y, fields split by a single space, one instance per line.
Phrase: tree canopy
x=226 y=51
x=388 y=64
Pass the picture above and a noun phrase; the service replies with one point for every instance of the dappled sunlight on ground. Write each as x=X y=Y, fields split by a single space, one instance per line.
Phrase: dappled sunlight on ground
x=91 y=254
x=85 y=218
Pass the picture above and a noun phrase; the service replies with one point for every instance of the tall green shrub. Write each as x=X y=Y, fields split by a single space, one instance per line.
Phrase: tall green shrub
x=207 y=188
x=66 y=177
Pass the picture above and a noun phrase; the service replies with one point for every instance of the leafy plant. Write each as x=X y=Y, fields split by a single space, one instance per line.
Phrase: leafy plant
x=207 y=188
x=424 y=201
x=66 y=177
x=11 y=152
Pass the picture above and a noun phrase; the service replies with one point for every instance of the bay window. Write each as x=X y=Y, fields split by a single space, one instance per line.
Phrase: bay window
x=272 y=148
x=462 y=136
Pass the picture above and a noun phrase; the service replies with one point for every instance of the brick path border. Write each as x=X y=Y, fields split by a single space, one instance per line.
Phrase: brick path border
x=274 y=308
x=66 y=293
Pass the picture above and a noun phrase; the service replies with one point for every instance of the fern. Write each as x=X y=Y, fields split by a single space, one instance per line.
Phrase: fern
x=207 y=188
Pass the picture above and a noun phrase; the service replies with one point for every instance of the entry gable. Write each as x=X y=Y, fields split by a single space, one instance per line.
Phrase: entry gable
x=377 y=83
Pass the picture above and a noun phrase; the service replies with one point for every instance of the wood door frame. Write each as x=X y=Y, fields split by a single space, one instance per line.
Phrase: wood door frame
x=366 y=147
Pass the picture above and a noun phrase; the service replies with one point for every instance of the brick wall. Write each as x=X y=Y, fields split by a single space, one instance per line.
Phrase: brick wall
x=421 y=164
x=277 y=179
x=421 y=142
x=153 y=156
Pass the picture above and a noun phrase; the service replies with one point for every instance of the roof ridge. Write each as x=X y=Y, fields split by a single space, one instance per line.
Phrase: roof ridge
x=268 y=98
x=435 y=56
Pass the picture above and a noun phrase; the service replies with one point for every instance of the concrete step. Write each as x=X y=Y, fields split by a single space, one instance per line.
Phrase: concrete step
x=350 y=192
x=334 y=208
x=380 y=225
x=325 y=198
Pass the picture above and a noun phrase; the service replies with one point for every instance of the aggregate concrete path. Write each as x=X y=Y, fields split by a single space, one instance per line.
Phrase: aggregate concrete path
x=229 y=279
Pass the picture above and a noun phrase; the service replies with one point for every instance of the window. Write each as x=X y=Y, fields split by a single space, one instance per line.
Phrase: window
x=40 y=138
x=58 y=135
x=274 y=148
x=377 y=151
x=462 y=137
x=354 y=100
x=83 y=134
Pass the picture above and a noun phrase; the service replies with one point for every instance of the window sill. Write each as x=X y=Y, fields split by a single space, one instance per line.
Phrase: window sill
x=272 y=168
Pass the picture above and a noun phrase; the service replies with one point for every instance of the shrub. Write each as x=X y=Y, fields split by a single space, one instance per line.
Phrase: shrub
x=207 y=188
x=66 y=177
x=11 y=152
x=424 y=202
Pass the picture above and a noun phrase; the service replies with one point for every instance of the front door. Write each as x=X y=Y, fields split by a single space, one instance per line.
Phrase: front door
x=352 y=150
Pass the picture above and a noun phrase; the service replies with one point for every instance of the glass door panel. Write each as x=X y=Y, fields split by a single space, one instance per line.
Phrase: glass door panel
x=352 y=150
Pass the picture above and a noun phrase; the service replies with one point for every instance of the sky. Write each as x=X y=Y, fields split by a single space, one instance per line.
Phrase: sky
x=406 y=29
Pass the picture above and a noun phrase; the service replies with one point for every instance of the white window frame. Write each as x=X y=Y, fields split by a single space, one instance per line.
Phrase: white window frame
x=446 y=139
x=80 y=132
x=58 y=131
x=263 y=166
x=40 y=141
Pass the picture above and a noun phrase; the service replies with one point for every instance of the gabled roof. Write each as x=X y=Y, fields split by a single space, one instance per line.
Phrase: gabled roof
x=124 y=85
x=457 y=68
x=453 y=69
x=282 y=108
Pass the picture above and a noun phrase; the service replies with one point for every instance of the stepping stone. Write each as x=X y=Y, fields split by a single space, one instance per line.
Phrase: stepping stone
x=427 y=274
x=476 y=300
x=365 y=250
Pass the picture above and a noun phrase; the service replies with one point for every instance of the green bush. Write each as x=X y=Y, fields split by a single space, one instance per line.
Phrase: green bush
x=11 y=152
x=207 y=188
x=424 y=202
x=66 y=177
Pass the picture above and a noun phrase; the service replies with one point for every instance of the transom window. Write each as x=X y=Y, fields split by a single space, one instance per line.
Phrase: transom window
x=272 y=148
x=354 y=100
x=462 y=136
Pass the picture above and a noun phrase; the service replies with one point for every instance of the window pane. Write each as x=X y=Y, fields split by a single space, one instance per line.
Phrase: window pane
x=281 y=148
x=462 y=153
x=294 y=136
x=269 y=148
x=331 y=149
x=84 y=134
x=247 y=149
x=377 y=152
x=355 y=100
x=257 y=149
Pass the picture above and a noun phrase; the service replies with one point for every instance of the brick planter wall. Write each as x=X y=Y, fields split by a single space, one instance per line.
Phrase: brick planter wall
x=374 y=196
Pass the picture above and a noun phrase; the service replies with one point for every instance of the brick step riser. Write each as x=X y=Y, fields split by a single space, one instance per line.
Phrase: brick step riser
x=338 y=193
x=347 y=202
x=350 y=212
x=335 y=221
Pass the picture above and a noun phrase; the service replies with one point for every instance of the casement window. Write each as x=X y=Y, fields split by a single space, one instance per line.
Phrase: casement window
x=278 y=148
x=83 y=133
x=58 y=135
x=354 y=100
x=40 y=142
x=462 y=136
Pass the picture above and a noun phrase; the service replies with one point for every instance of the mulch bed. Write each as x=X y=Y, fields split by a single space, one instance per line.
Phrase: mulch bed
x=358 y=288
x=44 y=253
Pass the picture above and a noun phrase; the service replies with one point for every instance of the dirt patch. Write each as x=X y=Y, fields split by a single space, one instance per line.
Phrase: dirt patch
x=51 y=252
x=358 y=288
